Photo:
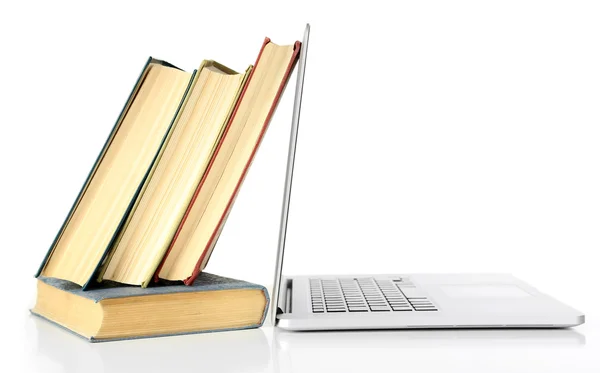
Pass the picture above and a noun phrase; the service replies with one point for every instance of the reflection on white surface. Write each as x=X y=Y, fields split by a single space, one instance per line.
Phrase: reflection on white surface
x=432 y=350
x=238 y=351
x=248 y=351
x=458 y=338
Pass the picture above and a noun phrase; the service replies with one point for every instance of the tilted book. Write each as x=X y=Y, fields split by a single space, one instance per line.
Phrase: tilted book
x=118 y=174
x=196 y=236
x=155 y=216
x=211 y=303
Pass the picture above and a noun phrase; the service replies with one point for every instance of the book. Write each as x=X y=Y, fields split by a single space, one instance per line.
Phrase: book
x=212 y=303
x=213 y=198
x=116 y=177
x=183 y=161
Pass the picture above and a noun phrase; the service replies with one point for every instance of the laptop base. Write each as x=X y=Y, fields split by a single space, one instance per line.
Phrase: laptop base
x=418 y=301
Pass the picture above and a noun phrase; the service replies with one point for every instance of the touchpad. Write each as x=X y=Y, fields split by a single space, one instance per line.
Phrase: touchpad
x=484 y=291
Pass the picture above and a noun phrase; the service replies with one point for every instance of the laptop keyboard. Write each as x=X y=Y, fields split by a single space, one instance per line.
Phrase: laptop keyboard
x=367 y=295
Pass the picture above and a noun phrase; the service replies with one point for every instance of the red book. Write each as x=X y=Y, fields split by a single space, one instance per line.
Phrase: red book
x=213 y=198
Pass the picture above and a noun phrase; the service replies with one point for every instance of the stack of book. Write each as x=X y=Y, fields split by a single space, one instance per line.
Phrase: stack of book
x=128 y=261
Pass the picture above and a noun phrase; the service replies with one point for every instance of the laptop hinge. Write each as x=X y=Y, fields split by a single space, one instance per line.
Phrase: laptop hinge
x=285 y=301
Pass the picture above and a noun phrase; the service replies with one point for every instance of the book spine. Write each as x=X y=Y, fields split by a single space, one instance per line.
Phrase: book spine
x=96 y=164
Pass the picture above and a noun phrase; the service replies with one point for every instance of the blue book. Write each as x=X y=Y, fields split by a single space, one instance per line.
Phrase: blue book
x=212 y=303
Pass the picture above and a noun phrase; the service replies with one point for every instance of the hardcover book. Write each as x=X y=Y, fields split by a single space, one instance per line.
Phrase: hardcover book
x=183 y=161
x=155 y=202
x=211 y=303
x=118 y=174
x=212 y=201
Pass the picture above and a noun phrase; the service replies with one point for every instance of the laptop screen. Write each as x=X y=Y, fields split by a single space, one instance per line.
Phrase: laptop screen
x=289 y=175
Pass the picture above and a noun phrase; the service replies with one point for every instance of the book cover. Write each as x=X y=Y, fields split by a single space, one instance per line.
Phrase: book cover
x=206 y=282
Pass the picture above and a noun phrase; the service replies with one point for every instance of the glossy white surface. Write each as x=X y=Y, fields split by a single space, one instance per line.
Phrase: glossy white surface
x=51 y=349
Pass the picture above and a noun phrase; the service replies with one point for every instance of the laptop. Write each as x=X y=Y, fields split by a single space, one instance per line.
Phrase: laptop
x=402 y=301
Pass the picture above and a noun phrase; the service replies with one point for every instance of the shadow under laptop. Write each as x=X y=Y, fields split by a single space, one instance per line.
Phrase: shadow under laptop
x=236 y=351
x=428 y=350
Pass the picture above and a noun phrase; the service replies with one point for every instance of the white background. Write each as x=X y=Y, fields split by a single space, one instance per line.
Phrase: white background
x=451 y=136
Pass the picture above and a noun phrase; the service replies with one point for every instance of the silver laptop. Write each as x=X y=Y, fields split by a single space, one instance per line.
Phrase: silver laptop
x=402 y=301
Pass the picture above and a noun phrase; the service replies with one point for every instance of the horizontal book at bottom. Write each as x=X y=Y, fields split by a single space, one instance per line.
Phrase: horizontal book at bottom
x=212 y=303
